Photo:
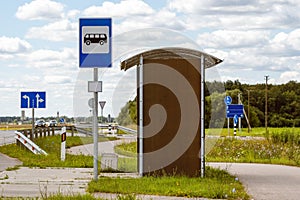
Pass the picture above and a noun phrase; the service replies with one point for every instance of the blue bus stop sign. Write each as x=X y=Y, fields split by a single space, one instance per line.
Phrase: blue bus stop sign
x=95 y=42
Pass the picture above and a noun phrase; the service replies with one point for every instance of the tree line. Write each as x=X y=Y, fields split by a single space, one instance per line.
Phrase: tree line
x=283 y=104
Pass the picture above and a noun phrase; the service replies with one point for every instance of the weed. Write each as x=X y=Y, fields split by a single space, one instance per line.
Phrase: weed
x=13 y=168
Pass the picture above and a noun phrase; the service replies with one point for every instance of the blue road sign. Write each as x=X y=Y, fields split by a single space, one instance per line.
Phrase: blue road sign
x=33 y=99
x=61 y=120
x=234 y=109
x=235 y=119
x=95 y=45
x=228 y=100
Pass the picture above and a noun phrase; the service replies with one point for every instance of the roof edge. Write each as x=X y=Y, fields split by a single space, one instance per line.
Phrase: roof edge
x=170 y=53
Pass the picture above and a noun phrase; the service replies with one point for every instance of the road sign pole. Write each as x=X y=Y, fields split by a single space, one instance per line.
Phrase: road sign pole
x=32 y=130
x=228 y=126
x=95 y=127
x=234 y=129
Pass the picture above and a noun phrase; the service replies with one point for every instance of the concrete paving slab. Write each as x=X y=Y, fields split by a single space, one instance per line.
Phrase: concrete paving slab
x=35 y=182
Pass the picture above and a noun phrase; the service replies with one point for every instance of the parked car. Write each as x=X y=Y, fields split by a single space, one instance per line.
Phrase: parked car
x=40 y=123
x=52 y=123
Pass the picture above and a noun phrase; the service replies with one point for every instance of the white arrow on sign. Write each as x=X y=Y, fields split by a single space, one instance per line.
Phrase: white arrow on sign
x=38 y=100
x=28 y=100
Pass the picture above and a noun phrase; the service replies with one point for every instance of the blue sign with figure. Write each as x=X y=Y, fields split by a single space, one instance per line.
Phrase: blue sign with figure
x=95 y=47
x=33 y=99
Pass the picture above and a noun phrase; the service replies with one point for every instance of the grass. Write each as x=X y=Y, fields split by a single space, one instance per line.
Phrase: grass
x=254 y=151
x=217 y=184
x=127 y=149
x=60 y=196
x=51 y=145
x=281 y=147
x=256 y=132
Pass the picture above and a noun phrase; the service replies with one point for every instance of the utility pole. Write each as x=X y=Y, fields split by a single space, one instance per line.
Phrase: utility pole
x=266 y=105
x=240 y=120
x=248 y=109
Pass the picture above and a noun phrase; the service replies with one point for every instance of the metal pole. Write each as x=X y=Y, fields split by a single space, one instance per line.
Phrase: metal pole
x=32 y=130
x=95 y=127
x=228 y=126
x=141 y=117
x=202 y=153
x=240 y=120
x=101 y=115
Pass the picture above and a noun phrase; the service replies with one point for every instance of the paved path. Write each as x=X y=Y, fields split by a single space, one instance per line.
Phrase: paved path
x=6 y=162
x=266 y=182
x=36 y=182
x=103 y=147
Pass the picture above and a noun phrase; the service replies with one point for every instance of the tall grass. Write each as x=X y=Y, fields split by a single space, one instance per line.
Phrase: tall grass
x=217 y=184
x=286 y=136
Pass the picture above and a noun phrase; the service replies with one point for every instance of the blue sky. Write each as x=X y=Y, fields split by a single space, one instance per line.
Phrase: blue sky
x=39 y=44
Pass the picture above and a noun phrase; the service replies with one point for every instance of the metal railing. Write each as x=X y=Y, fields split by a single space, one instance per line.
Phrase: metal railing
x=24 y=141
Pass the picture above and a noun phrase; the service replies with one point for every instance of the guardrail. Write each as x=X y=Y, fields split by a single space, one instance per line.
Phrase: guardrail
x=45 y=131
x=23 y=140
x=127 y=130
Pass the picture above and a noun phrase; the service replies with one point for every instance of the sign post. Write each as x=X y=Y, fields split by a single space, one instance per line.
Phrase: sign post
x=234 y=111
x=227 y=101
x=235 y=121
x=94 y=52
x=63 y=144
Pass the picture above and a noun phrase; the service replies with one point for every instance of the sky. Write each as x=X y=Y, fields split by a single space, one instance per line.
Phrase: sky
x=39 y=45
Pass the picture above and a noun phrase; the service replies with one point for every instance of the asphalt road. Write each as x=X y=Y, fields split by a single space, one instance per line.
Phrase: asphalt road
x=7 y=137
x=266 y=182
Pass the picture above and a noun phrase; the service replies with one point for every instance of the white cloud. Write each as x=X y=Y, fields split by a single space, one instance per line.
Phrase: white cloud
x=39 y=10
x=232 y=39
x=123 y=9
x=57 y=79
x=11 y=45
x=52 y=60
x=242 y=14
x=63 y=30
x=289 y=75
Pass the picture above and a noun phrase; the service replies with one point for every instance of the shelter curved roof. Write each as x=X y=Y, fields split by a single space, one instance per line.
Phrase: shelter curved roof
x=170 y=53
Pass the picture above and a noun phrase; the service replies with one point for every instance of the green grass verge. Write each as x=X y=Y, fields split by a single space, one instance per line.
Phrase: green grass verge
x=216 y=184
x=254 y=151
x=127 y=149
x=256 y=132
x=52 y=145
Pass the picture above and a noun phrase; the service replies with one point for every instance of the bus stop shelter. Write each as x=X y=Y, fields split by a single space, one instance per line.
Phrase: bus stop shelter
x=171 y=112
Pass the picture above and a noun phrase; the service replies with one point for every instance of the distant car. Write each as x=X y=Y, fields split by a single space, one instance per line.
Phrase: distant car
x=52 y=123
x=40 y=123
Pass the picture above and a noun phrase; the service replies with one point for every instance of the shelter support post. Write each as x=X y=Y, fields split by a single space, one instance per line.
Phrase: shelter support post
x=202 y=126
x=141 y=119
